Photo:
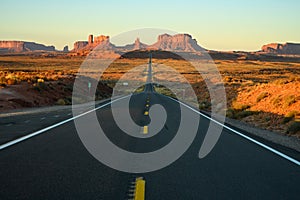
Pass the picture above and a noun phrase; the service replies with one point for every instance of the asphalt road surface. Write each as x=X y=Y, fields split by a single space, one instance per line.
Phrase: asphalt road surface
x=56 y=165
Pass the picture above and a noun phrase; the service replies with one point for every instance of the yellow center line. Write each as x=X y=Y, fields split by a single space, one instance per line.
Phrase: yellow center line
x=139 y=193
x=146 y=113
x=145 y=130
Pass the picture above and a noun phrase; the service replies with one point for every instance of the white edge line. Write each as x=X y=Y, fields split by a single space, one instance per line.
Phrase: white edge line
x=13 y=142
x=242 y=135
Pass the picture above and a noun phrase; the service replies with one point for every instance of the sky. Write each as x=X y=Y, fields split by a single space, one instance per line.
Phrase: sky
x=215 y=24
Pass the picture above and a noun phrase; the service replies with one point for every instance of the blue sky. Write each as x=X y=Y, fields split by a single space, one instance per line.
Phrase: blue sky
x=215 y=24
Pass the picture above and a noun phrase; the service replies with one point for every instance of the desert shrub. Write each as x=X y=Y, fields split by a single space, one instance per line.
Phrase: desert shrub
x=239 y=106
x=40 y=80
x=261 y=96
x=61 y=83
x=276 y=100
x=230 y=113
x=39 y=86
x=42 y=85
x=294 y=78
x=227 y=79
x=243 y=114
x=204 y=105
x=68 y=100
x=3 y=80
x=294 y=127
x=281 y=81
x=36 y=88
x=11 y=81
x=164 y=90
x=64 y=101
x=286 y=119
x=284 y=101
x=289 y=100
x=60 y=102
x=267 y=119
x=292 y=114
x=140 y=89
x=50 y=86
x=239 y=114
x=68 y=88
x=10 y=76
x=289 y=116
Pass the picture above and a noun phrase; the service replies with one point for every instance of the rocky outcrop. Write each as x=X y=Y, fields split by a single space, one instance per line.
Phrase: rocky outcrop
x=12 y=46
x=98 y=40
x=178 y=42
x=66 y=49
x=101 y=39
x=32 y=46
x=277 y=48
x=101 y=42
x=80 y=45
x=270 y=48
x=137 y=45
x=21 y=46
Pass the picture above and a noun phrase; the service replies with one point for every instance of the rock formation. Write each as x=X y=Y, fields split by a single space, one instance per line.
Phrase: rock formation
x=277 y=48
x=137 y=45
x=90 y=39
x=32 y=46
x=21 y=46
x=178 y=42
x=12 y=46
x=80 y=45
x=101 y=42
x=66 y=49
x=101 y=39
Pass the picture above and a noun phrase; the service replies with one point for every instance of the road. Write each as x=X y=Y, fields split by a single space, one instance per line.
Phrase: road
x=56 y=165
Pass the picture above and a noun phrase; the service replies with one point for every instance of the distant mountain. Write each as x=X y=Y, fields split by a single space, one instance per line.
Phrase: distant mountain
x=277 y=48
x=21 y=46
